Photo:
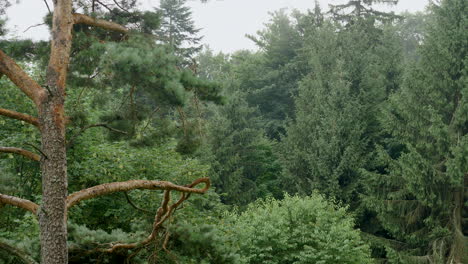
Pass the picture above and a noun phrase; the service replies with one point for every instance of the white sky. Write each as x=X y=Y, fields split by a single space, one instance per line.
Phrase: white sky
x=224 y=23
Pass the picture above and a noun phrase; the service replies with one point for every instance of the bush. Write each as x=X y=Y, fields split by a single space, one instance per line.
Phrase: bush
x=296 y=230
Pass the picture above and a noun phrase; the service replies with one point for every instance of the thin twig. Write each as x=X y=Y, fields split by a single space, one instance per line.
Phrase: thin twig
x=47 y=4
x=37 y=25
x=38 y=149
x=105 y=6
x=116 y=3
x=82 y=130
x=135 y=206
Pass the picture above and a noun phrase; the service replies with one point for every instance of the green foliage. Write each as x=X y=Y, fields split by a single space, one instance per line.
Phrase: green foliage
x=243 y=164
x=272 y=75
x=178 y=29
x=352 y=11
x=325 y=144
x=295 y=230
x=419 y=185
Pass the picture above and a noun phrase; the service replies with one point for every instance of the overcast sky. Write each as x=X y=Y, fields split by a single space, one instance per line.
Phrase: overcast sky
x=224 y=22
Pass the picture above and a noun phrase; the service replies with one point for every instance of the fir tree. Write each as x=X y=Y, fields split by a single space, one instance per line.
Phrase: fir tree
x=244 y=167
x=359 y=9
x=178 y=29
x=324 y=146
x=422 y=179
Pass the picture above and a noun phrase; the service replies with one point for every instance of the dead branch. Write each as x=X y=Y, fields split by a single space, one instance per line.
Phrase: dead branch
x=20 y=116
x=21 y=79
x=83 y=129
x=23 y=152
x=104 y=5
x=47 y=5
x=33 y=26
x=119 y=6
x=19 y=202
x=113 y=187
x=18 y=253
x=87 y=20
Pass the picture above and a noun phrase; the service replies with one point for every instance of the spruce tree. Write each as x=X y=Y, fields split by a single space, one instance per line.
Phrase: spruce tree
x=358 y=9
x=178 y=29
x=244 y=167
x=419 y=190
x=324 y=146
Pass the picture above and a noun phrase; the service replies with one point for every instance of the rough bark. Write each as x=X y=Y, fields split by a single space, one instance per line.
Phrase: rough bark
x=53 y=213
x=19 y=116
x=22 y=152
x=19 y=202
x=458 y=247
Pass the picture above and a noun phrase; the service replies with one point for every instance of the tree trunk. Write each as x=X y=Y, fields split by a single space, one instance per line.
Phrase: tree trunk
x=53 y=211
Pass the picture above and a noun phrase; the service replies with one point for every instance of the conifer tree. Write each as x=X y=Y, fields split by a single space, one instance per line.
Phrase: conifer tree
x=422 y=180
x=361 y=9
x=244 y=167
x=178 y=29
x=324 y=146
x=107 y=49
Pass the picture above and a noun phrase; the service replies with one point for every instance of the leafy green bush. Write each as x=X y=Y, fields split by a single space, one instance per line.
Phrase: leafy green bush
x=296 y=230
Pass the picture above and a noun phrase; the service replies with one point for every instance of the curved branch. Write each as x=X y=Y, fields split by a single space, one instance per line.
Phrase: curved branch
x=164 y=212
x=82 y=130
x=135 y=206
x=20 y=116
x=21 y=79
x=20 y=254
x=23 y=152
x=113 y=187
x=95 y=22
x=19 y=202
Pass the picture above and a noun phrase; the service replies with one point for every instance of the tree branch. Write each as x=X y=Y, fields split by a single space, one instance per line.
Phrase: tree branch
x=87 y=20
x=135 y=206
x=83 y=129
x=20 y=254
x=164 y=212
x=23 y=152
x=19 y=202
x=20 y=116
x=21 y=79
x=113 y=187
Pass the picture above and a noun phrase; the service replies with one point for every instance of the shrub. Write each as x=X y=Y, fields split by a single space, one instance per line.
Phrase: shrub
x=296 y=230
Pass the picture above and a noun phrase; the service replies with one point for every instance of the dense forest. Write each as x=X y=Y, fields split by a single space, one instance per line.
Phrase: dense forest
x=342 y=139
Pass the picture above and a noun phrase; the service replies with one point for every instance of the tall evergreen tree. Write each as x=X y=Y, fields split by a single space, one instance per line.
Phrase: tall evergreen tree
x=358 y=9
x=272 y=88
x=324 y=146
x=244 y=167
x=423 y=176
x=178 y=29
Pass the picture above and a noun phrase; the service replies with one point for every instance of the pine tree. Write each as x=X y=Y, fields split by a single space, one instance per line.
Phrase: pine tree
x=423 y=176
x=112 y=52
